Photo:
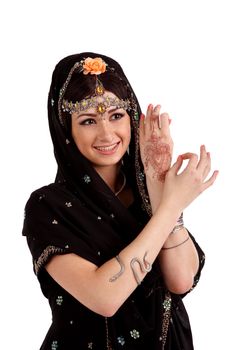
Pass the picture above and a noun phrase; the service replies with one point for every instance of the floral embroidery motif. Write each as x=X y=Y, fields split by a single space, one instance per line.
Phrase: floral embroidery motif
x=112 y=216
x=67 y=141
x=141 y=176
x=167 y=304
x=135 y=334
x=68 y=204
x=59 y=300
x=121 y=340
x=98 y=217
x=87 y=179
x=52 y=102
x=55 y=222
x=54 y=345
x=90 y=345
x=50 y=250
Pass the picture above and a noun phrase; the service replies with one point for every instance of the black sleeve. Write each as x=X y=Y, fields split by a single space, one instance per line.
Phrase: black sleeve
x=50 y=229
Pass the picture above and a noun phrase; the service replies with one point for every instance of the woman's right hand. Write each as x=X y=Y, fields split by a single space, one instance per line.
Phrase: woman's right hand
x=180 y=189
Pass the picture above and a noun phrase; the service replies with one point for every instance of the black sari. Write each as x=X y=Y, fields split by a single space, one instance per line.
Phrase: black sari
x=80 y=214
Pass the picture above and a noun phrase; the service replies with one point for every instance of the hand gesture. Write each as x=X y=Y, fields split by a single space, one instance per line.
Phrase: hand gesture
x=156 y=144
x=180 y=189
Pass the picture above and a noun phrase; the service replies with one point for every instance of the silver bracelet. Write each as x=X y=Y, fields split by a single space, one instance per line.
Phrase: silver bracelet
x=122 y=269
x=179 y=225
x=177 y=245
x=145 y=266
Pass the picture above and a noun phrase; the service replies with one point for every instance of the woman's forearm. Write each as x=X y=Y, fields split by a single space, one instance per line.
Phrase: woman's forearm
x=179 y=262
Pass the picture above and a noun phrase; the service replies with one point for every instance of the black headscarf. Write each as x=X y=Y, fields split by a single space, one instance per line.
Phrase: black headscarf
x=72 y=165
x=80 y=214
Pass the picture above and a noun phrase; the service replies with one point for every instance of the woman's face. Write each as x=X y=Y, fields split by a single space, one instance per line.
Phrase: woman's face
x=102 y=138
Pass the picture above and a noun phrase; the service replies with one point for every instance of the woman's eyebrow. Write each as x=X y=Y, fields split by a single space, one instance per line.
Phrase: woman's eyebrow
x=113 y=109
x=87 y=115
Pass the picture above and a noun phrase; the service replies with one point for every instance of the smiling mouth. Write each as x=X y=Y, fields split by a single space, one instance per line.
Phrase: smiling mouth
x=107 y=149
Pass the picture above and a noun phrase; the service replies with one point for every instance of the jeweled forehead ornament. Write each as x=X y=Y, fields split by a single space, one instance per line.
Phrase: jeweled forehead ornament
x=93 y=66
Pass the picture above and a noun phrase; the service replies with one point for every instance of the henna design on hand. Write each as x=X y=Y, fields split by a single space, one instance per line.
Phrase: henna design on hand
x=158 y=157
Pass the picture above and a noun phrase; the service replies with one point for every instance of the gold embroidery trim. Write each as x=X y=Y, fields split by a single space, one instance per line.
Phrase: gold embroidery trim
x=43 y=258
x=166 y=318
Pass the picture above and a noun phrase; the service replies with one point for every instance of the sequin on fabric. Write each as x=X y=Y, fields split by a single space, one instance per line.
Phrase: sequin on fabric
x=135 y=334
x=87 y=179
x=59 y=300
x=43 y=258
x=121 y=340
x=166 y=318
x=54 y=345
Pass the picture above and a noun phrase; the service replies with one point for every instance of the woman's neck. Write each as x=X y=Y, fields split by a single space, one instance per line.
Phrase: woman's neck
x=110 y=175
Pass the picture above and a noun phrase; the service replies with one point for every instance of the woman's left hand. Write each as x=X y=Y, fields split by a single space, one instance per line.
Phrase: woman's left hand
x=156 y=145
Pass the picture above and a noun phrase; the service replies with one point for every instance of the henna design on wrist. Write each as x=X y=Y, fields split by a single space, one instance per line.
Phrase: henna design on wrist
x=144 y=265
x=158 y=157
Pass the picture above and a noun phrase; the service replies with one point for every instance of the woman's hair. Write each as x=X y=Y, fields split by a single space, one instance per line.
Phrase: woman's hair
x=82 y=86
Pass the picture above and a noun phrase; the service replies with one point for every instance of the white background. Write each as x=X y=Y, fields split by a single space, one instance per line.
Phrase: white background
x=177 y=53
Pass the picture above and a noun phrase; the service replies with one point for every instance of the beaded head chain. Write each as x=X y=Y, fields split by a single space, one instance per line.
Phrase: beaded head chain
x=93 y=66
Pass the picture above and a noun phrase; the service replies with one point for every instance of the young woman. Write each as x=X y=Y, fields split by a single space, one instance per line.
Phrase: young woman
x=109 y=246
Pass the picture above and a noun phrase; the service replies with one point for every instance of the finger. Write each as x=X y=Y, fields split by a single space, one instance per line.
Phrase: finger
x=177 y=165
x=155 y=116
x=148 y=126
x=192 y=157
x=211 y=180
x=203 y=162
x=164 y=123
x=208 y=166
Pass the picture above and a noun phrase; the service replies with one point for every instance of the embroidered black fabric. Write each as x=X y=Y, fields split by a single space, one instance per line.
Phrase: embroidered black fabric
x=80 y=214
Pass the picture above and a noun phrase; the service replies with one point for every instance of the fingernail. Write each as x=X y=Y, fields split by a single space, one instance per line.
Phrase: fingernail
x=150 y=106
x=208 y=154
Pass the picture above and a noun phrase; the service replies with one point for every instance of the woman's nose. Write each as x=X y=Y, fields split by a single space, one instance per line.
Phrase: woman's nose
x=105 y=130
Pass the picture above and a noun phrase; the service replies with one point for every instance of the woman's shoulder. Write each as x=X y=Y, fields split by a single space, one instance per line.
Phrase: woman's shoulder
x=49 y=193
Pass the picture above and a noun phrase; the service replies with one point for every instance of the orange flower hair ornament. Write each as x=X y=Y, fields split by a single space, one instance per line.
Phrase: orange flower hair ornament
x=94 y=66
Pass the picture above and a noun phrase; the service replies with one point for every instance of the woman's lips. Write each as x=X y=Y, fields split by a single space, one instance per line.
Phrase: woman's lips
x=107 y=149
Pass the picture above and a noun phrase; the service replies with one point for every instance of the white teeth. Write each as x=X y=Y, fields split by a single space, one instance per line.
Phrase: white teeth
x=108 y=148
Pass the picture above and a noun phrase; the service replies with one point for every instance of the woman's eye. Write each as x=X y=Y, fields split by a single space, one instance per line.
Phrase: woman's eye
x=87 y=122
x=117 y=116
